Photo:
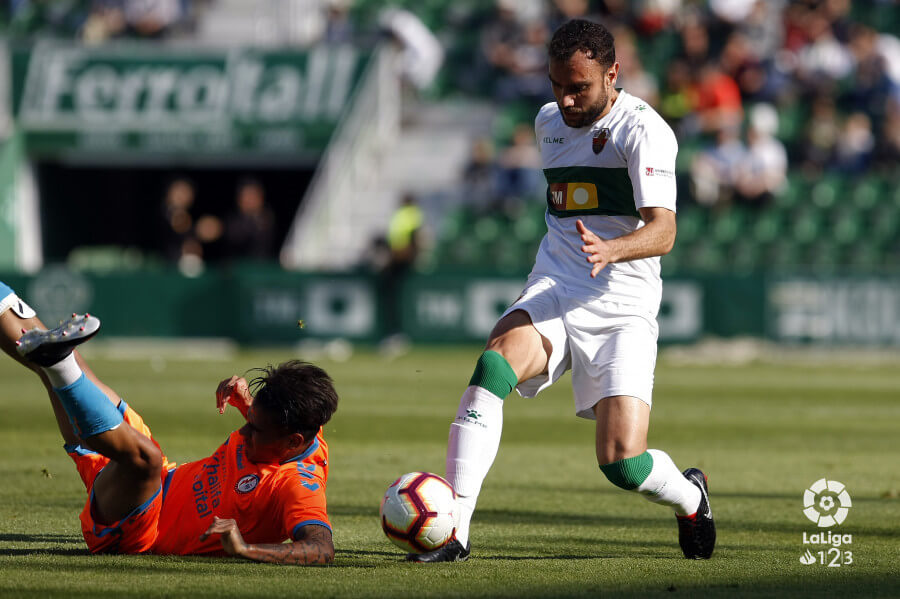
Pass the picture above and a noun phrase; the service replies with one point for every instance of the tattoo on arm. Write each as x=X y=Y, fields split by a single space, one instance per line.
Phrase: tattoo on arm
x=313 y=547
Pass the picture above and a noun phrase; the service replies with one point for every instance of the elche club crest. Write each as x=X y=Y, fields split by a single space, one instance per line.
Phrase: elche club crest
x=599 y=141
x=246 y=483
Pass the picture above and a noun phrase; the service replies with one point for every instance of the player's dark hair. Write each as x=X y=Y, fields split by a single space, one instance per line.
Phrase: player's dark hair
x=593 y=39
x=299 y=396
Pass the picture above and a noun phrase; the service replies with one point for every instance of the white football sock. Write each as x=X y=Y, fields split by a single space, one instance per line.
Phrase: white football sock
x=63 y=373
x=666 y=485
x=473 y=445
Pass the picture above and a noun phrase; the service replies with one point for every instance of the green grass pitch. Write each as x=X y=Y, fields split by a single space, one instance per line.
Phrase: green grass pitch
x=548 y=524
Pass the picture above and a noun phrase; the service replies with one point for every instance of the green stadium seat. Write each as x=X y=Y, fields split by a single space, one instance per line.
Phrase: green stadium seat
x=487 y=228
x=866 y=193
x=768 y=226
x=783 y=254
x=846 y=224
x=822 y=256
x=795 y=192
x=706 y=255
x=691 y=225
x=728 y=224
x=806 y=225
x=827 y=191
x=745 y=255
x=883 y=223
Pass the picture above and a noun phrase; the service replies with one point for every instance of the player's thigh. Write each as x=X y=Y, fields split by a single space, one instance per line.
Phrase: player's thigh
x=519 y=342
x=613 y=351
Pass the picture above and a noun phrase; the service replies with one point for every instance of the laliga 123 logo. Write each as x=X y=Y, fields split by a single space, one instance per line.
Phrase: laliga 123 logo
x=827 y=503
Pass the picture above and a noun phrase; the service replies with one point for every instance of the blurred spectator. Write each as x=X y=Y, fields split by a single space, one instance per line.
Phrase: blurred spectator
x=632 y=76
x=821 y=135
x=675 y=99
x=178 y=223
x=714 y=171
x=887 y=150
x=562 y=11
x=519 y=170
x=149 y=19
x=740 y=63
x=856 y=143
x=824 y=59
x=763 y=29
x=763 y=171
x=480 y=177
x=338 y=26
x=716 y=99
x=250 y=231
x=870 y=85
x=421 y=54
x=405 y=240
x=695 y=50
x=655 y=15
x=523 y=67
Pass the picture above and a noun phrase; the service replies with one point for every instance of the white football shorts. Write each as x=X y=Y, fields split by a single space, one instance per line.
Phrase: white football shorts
x=610 y=347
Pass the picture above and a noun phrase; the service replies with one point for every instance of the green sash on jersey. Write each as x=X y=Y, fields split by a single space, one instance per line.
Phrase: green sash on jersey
x=577 y=190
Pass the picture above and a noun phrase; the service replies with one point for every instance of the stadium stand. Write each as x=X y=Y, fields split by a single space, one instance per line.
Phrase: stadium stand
x=831 y=70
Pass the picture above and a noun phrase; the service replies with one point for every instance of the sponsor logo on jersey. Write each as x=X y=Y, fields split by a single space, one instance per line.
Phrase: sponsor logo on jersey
x=641 y=107
x=658 y=172
x=246 y=483
x=599 y=141
x=573 y=196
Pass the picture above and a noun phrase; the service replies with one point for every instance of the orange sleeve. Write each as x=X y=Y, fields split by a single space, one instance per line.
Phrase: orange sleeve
x=302 y=498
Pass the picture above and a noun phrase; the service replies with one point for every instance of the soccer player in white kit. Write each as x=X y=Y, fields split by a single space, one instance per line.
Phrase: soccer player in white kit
x=590 y=303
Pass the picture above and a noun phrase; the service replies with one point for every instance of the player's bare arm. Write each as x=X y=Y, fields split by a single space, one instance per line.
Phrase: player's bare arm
x=313 y=547
x=655 y=238
x=236 y=392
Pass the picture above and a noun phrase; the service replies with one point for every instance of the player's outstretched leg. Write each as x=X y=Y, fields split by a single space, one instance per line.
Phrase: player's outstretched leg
x=622 y=424
x=515 y=346
x=132 y=475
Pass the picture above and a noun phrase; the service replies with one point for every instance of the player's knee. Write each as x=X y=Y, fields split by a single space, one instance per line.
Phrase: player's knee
x=628 y=473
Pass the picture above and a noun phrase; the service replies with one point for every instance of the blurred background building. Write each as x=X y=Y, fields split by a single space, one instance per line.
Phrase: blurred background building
x=241 y=160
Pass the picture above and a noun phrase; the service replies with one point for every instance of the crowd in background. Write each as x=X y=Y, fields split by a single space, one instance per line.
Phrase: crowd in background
x=725 y=74
x=755 y=90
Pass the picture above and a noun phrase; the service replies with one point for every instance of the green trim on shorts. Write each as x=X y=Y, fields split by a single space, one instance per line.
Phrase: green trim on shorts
x=493 y=373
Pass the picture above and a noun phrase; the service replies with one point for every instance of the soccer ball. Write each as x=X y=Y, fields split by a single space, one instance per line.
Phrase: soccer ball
x=418 y=512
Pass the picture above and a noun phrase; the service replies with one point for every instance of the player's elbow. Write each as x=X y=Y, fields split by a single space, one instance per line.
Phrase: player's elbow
x=667 y=243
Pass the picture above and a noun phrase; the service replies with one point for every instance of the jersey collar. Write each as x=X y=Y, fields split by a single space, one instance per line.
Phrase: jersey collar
x=306 y=452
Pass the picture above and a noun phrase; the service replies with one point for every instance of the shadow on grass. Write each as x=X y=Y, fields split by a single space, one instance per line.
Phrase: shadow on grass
x=43 y=551
x=41 y=538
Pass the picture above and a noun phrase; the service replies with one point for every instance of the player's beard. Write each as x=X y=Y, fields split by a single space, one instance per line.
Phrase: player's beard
x=585 y=116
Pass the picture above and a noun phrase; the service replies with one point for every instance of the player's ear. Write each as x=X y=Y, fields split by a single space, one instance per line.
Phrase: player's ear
x=612 y=74
x=296 y=441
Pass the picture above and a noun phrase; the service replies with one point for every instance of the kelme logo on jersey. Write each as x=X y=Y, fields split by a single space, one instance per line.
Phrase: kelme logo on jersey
x=600 y=140
x=246 y=483
x=573 y=196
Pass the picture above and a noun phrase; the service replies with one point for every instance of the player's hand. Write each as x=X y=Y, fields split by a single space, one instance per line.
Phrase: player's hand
x=236 y=392
x=598 y=250
x=232 y=540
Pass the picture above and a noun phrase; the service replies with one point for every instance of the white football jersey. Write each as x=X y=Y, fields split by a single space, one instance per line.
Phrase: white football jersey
x=602 y=174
